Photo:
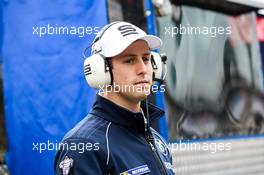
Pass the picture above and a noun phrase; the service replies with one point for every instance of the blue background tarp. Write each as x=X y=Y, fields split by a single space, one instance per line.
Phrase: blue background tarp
x=152 y=29
x=44 y=87
x=1 y=29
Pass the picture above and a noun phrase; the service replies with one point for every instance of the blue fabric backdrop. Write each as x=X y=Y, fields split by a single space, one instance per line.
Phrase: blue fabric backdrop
x=1 y=29
x=44 y=87
x=152 y=29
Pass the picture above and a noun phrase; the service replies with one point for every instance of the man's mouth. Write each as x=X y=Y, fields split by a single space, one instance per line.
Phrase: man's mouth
x=142 y=82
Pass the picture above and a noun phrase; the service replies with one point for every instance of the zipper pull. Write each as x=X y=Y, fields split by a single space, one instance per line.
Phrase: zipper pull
x=145 y=121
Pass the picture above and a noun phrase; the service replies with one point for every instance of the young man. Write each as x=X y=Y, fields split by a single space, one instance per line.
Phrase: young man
x=116 y=136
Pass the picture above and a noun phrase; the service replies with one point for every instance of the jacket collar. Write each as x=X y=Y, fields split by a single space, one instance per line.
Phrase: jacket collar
x=110 y=111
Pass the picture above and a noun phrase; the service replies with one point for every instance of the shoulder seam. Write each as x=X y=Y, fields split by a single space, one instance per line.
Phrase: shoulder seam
x=96 y=126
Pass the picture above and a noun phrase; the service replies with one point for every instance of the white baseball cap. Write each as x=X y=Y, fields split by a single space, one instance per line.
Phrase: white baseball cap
x=115 y=37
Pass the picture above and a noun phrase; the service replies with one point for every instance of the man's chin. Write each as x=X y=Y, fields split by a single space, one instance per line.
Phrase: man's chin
x=136 y=97
x=141 y=96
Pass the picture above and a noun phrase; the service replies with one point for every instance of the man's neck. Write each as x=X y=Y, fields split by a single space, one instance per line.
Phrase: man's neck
x=120 y=100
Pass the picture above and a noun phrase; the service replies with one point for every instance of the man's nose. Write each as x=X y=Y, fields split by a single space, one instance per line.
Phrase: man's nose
x=141 y=67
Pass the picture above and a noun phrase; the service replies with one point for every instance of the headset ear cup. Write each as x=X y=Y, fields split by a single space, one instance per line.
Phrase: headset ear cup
x=97 y=73
x=159 y=67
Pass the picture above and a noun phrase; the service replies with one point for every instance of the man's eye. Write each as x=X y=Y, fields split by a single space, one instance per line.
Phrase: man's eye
x=130 y=61
x=146 y=59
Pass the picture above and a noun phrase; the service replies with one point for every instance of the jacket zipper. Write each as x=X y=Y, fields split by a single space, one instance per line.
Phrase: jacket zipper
x=150 y=140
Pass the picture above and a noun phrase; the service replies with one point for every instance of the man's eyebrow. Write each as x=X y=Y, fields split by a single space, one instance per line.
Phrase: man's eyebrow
x=131 y=54
x=147 y=53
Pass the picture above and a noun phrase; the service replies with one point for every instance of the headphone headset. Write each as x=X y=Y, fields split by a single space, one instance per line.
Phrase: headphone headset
x=98 y=70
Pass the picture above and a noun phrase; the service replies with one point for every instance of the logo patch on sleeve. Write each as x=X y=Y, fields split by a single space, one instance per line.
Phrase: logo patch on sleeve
x=137 y=171
x=66 y=165
x=161 y=146
x=168 y=165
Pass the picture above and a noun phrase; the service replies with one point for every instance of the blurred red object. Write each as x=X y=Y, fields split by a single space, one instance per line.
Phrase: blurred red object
x=260 y=29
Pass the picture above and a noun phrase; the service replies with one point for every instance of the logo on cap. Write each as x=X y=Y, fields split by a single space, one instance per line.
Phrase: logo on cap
x=127 y=30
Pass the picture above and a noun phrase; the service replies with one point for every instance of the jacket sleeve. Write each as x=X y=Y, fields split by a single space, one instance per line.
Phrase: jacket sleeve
x=79 y=157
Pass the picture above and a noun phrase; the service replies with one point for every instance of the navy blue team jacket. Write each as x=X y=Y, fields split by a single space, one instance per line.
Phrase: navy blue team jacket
x=112 y=140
